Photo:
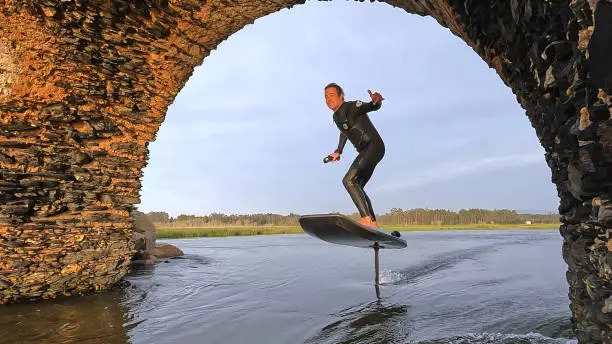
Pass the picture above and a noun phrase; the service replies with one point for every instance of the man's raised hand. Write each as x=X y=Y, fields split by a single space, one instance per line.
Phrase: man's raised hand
x=376 y=97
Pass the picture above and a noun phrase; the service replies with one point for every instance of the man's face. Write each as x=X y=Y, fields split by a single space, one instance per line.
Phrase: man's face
x=332 y=98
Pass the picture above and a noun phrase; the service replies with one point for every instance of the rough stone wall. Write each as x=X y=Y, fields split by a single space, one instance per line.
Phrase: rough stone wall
x=540 y=50
x=84 y=87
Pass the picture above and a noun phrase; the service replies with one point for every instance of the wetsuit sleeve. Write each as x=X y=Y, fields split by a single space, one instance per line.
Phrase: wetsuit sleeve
x=341 y=143
x=361 y=108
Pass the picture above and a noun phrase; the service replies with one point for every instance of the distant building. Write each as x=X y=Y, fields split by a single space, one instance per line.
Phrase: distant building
x=527 y=222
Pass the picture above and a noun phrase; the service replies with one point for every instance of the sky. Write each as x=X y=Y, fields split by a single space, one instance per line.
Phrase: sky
x=248 y=132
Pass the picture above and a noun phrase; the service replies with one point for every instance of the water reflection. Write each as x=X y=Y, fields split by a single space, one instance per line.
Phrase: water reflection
x=141 y=270
x=372 y=323
x=98 y=318
x=88 y=319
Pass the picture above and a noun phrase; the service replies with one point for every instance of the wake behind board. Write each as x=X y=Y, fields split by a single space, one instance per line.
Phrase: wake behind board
x=343 y=230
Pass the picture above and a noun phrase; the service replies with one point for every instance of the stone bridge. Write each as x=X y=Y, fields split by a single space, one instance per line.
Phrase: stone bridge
x=85 y=85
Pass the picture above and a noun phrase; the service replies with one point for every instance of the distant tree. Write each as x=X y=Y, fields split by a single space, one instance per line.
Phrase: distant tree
x=158 y=216
x=396 y=216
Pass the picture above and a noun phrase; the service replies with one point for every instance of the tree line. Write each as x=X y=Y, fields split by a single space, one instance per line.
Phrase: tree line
x=395 y=216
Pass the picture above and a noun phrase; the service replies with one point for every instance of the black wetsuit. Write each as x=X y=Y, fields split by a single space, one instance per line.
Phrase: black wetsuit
x=355 y=125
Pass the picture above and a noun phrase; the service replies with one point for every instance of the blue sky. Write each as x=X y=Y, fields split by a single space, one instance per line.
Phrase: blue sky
x=248 y=132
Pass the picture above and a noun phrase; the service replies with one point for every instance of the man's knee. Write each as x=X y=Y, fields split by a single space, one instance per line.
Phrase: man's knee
x=350 y=180
x=347 y=181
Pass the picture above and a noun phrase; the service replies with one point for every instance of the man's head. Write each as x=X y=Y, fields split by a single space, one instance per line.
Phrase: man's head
x=334 y=96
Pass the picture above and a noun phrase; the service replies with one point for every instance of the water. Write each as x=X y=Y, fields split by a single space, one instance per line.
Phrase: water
x=460 y=287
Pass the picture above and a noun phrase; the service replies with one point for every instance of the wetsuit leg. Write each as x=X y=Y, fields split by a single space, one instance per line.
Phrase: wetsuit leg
x=359 y=174
x=362 y=183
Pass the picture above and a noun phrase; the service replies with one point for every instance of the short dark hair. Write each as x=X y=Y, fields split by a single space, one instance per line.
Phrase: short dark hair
x=338 y=88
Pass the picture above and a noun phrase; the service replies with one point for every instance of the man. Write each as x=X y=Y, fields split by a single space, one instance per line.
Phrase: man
x=351 y=118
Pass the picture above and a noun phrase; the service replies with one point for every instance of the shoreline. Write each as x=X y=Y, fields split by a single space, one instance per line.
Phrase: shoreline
x=204 y=232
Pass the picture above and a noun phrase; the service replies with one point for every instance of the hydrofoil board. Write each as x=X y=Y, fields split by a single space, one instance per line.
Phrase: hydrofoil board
x=343 y=230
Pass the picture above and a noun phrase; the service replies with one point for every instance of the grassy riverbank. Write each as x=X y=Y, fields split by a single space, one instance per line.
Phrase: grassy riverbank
x=173 y=233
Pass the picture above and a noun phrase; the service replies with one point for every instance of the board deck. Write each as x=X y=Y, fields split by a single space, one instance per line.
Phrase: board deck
x=343 y=230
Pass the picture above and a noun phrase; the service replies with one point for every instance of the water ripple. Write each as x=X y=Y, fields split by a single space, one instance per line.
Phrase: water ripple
x=499 y=338
x=440 y=262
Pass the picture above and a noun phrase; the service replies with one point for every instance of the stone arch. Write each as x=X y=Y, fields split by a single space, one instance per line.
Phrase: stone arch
x=86 y=85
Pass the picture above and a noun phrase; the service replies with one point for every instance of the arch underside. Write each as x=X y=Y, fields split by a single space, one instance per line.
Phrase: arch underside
x=84 y=87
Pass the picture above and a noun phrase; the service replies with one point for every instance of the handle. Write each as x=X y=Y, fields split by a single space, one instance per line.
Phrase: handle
x=328 y=159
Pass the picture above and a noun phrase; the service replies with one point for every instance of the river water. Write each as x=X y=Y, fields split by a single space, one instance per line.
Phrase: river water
x=460 y=287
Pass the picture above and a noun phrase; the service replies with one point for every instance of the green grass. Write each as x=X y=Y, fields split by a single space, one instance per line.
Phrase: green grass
x=175 y=233
x=471 y=227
